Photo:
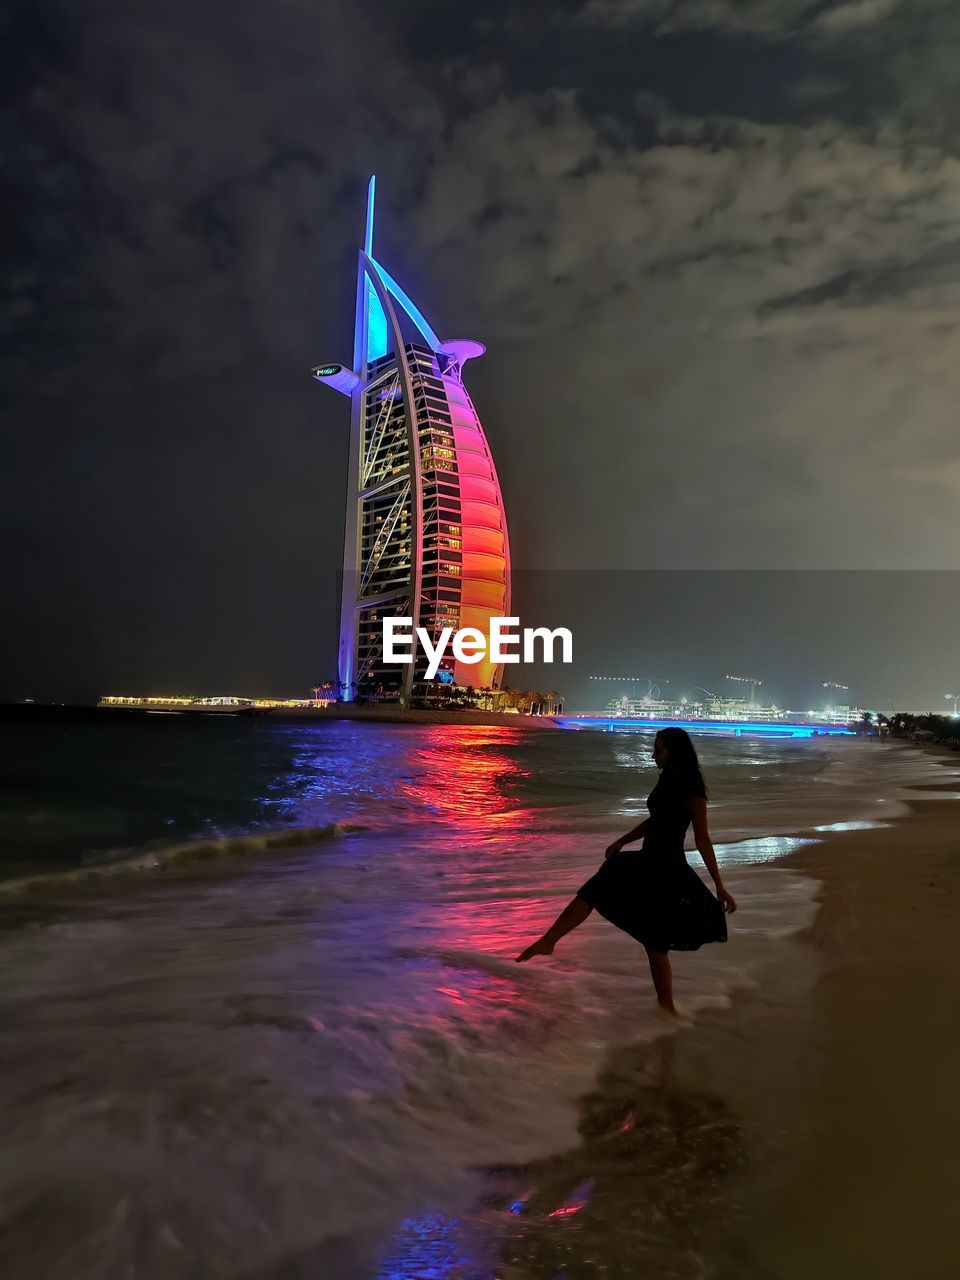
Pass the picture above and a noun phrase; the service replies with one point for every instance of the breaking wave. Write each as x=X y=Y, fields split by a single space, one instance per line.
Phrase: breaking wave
x=122 y=862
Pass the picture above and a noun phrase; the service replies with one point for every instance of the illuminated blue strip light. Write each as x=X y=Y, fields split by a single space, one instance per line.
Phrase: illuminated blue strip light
x=409 y=306
x=371 y=202
x=376 y=325
x=716 y=728
x=377 y=343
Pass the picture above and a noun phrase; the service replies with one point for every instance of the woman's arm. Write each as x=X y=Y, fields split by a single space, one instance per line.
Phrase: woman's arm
x=698 y=811
x=629 y=838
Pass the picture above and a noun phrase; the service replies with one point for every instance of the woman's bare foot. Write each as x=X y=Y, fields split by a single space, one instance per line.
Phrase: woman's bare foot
x=538 y=948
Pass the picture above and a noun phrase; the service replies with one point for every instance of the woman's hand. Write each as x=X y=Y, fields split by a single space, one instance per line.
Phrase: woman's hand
x=616 y=847
x=726 y=899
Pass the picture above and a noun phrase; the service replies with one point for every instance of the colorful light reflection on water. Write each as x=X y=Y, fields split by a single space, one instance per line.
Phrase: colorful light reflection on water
x=465 y=776
x=426 y=1248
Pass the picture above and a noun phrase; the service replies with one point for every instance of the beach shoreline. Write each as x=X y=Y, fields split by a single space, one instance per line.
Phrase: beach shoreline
x=807 y=1129
x=871 y=1186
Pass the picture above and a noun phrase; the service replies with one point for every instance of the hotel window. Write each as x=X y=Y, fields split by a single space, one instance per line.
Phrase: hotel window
x=440 y=457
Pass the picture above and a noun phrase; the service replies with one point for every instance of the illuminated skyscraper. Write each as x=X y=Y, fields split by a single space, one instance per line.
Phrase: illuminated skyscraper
x=426 y=533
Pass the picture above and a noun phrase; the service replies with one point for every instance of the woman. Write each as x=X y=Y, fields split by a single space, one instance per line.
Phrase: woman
x=655 y=895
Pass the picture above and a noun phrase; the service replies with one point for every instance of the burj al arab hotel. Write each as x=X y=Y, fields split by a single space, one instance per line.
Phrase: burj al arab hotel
x=426 y=534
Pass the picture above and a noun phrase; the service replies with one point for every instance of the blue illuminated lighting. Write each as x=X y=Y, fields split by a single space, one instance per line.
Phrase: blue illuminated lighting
x=376 y=325
x=410 y=307
x=371 y=200
x=763 y=729
x=376 y=319
x=425 y=1249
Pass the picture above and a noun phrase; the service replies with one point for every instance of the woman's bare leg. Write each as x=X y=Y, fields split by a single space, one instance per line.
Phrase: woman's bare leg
x=574 y=913
x=662 y=975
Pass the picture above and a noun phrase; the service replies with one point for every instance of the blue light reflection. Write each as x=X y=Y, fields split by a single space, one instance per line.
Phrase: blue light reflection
x=715 y=728
x=425 y=1248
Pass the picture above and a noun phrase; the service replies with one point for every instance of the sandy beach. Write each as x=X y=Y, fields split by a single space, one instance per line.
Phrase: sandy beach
x=811 y=1129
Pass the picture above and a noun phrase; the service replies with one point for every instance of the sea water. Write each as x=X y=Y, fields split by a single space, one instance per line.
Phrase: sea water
x=260 y=1010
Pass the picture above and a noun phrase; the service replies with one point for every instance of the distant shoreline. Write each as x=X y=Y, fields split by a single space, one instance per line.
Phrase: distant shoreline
x=391 y=713
x=372 y=714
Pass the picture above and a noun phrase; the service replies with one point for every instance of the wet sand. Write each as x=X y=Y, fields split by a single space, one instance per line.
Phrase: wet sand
x=811 y=1130
x=870 y=1185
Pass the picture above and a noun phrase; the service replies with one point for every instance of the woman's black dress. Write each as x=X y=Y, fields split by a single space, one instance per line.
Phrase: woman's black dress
x=653 y=893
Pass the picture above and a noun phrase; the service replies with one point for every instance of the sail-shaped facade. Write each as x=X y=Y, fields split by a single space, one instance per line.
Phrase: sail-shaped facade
x=426 y=533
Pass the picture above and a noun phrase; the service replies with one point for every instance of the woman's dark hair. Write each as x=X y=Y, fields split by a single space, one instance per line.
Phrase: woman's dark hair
x=682 y=762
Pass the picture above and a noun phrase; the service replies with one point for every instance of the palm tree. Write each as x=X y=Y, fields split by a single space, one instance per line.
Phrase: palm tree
x=551 y=701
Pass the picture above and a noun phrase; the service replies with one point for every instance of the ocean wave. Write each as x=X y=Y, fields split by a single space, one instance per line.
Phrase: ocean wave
x=121 y=862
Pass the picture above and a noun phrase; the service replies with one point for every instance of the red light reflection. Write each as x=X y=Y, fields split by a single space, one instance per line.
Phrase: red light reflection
x=574 y=1202
x=488 y=873
x=464 y=775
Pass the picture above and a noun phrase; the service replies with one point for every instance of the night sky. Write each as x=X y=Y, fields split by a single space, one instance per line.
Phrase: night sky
x=712 y=246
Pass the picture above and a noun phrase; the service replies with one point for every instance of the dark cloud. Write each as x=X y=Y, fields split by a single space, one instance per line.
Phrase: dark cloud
x=880 y=283
x=711 y=247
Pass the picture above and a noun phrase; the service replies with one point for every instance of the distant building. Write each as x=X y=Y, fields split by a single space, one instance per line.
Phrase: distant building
x=426 y=533
x=628 y=707
x=647 y=708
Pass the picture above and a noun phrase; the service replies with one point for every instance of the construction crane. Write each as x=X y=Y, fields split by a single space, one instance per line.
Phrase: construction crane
x=832 y=684
x=752 y=681
x=698 y=688
x=652 y=682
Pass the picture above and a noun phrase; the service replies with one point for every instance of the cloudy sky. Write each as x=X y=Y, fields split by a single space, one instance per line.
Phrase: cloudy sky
x=713 y=248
